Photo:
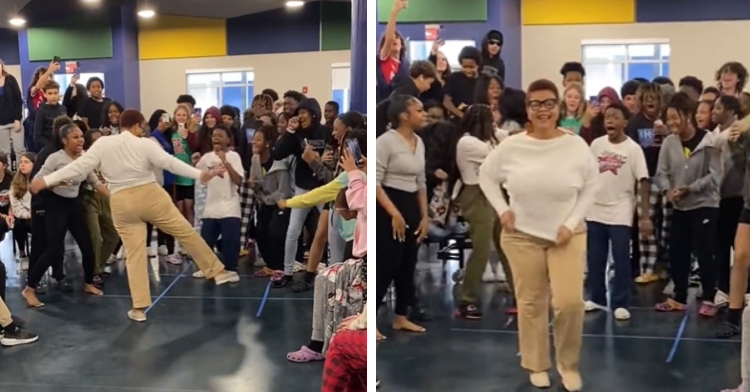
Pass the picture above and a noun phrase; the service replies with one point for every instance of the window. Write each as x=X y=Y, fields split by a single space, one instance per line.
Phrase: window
x=340 y=83
x=233 y=88
x=420 y=50
x=64 y=79
x=614 y=63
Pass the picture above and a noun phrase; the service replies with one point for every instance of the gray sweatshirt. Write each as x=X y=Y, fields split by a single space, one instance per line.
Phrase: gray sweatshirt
x=701 y=172
x=733 y=179
x=70 y=189
x=741 y=150
x=274 y=185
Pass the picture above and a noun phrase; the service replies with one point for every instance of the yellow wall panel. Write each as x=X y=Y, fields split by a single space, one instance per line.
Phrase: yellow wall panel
x=175 y=37
x=571 y=12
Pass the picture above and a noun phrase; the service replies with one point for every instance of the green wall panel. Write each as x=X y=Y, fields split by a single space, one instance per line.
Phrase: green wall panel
x=425 y=11
x=335 y=25
x=75 y=38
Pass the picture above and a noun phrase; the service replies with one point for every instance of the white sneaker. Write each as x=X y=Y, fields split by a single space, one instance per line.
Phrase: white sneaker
x=121 y=253
x=227 y=277
x=298 y=267
x=591 y=306
x=721 y=299
x=747 y=299
x=151 y=251
x=175 y=259
x=199 y=274
x=163 y=250
x=622 y=314
x=500 y=273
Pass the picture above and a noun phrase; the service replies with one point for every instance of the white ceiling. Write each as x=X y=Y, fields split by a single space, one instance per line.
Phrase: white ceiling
x=205 y=8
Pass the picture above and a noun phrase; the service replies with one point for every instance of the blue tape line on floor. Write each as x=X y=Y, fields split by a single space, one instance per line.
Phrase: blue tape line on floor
x=587 y=335
x=677 y=338
x=263 y=301
x=163 y=293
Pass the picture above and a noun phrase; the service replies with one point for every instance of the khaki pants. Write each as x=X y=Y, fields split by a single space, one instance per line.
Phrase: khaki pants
x=5 y=319
x=540 y=270
x=131 y=209
x=104 y=236
x=484 y=230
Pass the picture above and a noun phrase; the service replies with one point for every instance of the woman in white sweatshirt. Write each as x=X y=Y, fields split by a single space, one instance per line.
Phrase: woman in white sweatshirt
x=20 y=203
x=551 y=179
x=479 y=138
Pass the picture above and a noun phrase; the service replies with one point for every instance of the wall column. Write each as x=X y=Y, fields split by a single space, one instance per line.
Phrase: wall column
x=358 y=61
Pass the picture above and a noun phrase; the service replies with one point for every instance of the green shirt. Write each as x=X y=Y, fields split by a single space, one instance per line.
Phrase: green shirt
x=572 y=124
x=182 y=153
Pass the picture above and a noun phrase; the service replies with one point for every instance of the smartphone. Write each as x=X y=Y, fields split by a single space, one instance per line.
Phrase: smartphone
x=165 y=118
x=56 y=59
x=249 y=133
x=198 y=112
x=594 y=100
x=353 y=146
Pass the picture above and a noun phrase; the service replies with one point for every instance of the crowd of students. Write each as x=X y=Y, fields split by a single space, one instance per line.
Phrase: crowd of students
x=284 y=176
x=552 y=179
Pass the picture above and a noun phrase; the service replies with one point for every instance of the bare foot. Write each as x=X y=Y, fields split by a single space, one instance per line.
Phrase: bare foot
x=31 y=300
x=91 y=289
x=378 y=335
x=401 y=323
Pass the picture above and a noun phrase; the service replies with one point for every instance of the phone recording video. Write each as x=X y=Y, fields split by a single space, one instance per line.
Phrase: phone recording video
x=594 y=100
x=353 y=146
x=198 y=112
x=56 y=59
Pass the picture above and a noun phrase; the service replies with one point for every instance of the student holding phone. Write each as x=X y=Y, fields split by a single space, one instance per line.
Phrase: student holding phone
x=305 y=139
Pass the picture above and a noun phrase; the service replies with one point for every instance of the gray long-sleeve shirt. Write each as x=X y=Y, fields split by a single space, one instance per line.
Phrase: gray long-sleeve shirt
x=69 y=189
x=397 y=166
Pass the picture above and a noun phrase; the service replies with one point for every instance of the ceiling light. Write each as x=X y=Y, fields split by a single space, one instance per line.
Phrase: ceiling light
x=90 y=1
x=295 y=4
x=147 y=13
x=17 y=21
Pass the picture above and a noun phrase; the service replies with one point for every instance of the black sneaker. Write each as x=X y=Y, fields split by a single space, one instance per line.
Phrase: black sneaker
x=17 y=337
x=728 y=331
x=285 y=280
x=18 y=321
x=301 y=286
x=469 y=312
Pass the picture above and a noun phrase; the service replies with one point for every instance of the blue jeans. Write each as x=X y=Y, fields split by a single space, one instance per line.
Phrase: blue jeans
x=296 y=223
x=229 y=230
x=599 y=238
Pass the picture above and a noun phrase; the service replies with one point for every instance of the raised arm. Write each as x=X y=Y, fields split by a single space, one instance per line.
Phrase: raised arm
x=81 y=167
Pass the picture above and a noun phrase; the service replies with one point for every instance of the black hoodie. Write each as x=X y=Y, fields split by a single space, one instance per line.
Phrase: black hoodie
x=493 y=65
x=316 y=134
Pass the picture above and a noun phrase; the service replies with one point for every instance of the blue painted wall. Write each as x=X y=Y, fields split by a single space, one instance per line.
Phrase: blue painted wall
x=121 y=72
x=691 y=10
x=275 y=31
x=503 y=15
x=9 y=47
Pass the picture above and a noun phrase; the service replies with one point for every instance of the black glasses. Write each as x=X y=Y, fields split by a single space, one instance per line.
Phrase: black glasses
x=548 y=104
x=493 y=42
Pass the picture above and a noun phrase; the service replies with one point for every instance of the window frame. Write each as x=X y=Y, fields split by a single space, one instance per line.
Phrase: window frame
x=627 y=43
x=454 y=63
x=222 y=84
x=345 y=105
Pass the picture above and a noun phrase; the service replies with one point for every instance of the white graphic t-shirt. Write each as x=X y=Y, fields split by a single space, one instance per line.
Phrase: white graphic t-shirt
x=621 y=165
x=222 y=198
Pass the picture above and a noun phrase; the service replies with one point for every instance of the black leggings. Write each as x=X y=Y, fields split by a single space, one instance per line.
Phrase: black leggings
x=693 y=231
x=3 y=280
x=162 y=238
x=271 y=235
x=62 y=215
x=21 y=230
x=726 y=229
x=397 y=260
x=39 y=245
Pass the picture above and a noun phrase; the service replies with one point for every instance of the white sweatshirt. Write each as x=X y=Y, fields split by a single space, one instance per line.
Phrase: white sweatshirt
x=551 y=183
x=471 y=152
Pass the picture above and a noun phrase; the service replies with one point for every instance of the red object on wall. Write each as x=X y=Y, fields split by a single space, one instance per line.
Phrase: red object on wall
x=71 y=67
x=304 y=89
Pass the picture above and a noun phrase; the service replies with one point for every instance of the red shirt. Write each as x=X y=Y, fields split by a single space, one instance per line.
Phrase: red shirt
x=389 y=68
x=37 y=100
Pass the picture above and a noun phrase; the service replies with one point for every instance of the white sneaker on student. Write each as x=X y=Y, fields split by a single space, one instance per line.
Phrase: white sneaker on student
x=721 y=299
x=591 y=306
x=227 y=277
x=151 y=251
x=199 y=274
x=163 y=250
x=622 y=314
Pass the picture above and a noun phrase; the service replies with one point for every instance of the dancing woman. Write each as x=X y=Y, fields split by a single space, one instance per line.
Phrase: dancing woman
x=127 y=162
x=63 y=214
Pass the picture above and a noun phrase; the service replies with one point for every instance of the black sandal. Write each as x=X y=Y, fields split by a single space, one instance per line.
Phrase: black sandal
x=728 y=331
x=285 y=280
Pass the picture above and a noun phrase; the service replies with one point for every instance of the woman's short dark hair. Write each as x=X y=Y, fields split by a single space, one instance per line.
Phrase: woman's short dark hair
x=543 y=85
x=130 y=118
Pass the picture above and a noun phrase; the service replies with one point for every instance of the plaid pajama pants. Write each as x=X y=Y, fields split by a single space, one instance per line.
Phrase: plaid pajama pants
x=655 y=247
x=345 y=368
x=246 y=211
